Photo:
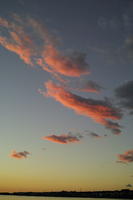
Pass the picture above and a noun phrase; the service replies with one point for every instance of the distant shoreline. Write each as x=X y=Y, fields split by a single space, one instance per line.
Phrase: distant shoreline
x=125 y=193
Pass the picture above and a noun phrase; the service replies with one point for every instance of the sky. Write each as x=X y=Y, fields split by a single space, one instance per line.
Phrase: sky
x=66 y=83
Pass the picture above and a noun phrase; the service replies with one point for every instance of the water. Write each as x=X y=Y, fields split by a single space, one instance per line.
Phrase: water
x=49 y=198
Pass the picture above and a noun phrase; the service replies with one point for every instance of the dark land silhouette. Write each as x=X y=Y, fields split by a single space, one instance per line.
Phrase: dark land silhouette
x=125 y=193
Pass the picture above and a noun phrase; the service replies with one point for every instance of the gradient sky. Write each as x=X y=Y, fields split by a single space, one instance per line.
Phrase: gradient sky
x=66 y=83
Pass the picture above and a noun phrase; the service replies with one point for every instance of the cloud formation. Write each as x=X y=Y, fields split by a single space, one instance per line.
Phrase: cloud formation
x=126 y=157
x=17 y=40
x=68 y=65
x=35 y=45
x=19 y=155
x=125 y=94
x=63 y=138
x=99 y=110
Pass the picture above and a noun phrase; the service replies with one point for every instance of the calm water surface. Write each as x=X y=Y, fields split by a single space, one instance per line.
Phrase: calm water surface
x=48 y=198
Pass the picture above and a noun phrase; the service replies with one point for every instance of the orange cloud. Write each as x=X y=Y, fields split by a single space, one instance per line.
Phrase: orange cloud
x=19 y=48
x=126 y=157
x=68 y=65
x=42 y=31
x=62 y=139
x=19 y=155
x=32 y=41
x=17 y=40
x=54 y=61
x=99 y=110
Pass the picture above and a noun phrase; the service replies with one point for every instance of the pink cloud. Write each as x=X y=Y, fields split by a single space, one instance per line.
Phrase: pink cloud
x=23 y=52
x=68 y=65
x=17 y=40
x=62 y=139
x=22 y=36
x=19 y=155
x=126 y=157
x=99 y=110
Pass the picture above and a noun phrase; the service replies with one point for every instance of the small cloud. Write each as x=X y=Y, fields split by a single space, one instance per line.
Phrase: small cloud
x=126 y=157
x=19 y=155
x=63 y=138
x=114 y=126
x=94 y=135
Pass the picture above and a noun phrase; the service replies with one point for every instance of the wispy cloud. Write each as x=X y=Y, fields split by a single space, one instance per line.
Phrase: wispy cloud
x=99 y=110
x=126 y=157
x=17 y=40
x=42 y=32
x=63 y=138
x=19 y=155
x=55 y=61
x=68 y=65
x=35 y=45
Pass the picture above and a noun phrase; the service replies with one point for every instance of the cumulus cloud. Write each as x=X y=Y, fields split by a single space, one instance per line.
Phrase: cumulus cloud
x=99 y=110
x=126 y=157
x=63 y=138
x=19 y=155
x=125 y=94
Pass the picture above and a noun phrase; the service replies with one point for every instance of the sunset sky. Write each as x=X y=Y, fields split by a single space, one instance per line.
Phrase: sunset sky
x=66 y=83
